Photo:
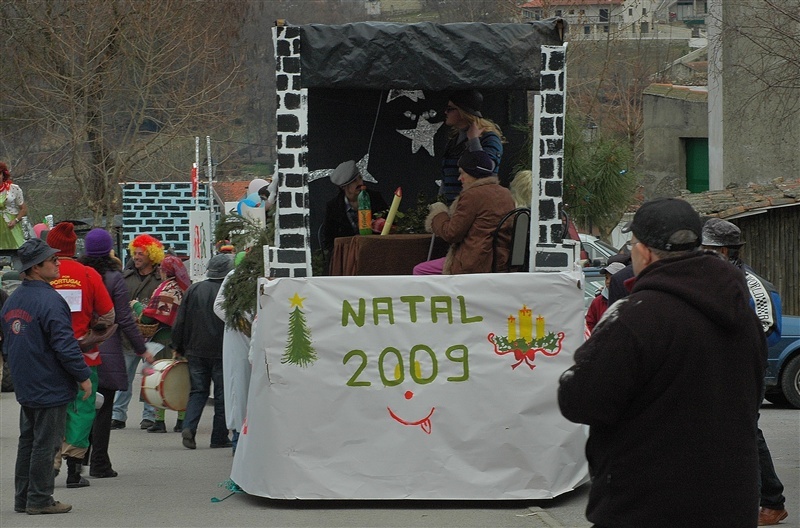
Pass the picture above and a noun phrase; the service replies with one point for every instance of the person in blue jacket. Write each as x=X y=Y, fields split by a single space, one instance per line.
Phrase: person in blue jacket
x=726 y=239
x=47 y=365
x=470 y=132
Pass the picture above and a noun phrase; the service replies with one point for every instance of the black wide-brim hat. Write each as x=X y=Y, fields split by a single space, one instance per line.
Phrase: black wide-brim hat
x=33 y=252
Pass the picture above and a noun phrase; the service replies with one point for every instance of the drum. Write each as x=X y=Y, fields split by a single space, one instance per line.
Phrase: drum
x=165 y=384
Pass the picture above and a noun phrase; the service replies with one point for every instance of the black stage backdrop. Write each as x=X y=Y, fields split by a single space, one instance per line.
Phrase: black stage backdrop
x=403 y=133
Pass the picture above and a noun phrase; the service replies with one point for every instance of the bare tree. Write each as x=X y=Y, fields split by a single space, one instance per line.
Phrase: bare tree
x=760 y=39
x=106 y=85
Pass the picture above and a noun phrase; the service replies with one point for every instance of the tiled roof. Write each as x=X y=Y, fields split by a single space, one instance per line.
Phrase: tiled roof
x=554 y=4
x=741 y=201
x=231 y=191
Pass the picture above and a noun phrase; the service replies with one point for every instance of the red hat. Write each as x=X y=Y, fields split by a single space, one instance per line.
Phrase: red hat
x=62 y=237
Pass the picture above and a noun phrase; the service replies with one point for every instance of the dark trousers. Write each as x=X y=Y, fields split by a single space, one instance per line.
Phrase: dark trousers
x=101 y=434
x=40 y=434
x=202 y=371
x=771 y=486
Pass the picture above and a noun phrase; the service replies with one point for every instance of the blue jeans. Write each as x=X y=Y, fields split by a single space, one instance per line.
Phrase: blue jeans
x=123 y=398
x=202 y=371
x=40 y=433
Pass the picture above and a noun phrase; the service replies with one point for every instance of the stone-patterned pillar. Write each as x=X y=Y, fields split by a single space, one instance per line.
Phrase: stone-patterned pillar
x=291 y=255
x=551 y=254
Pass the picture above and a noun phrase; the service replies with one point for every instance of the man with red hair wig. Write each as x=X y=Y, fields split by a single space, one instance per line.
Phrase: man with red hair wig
x=146 y=253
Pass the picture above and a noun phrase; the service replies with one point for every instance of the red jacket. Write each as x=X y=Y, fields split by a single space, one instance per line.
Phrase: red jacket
x=596 y=310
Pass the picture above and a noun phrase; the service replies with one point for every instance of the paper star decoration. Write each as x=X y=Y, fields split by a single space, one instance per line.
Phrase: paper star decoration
x=360 y=164
x=414 y=95
x=296 y=301
x=422 y=135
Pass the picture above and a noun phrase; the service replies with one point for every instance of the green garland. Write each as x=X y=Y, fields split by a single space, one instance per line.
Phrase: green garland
x=241 y=295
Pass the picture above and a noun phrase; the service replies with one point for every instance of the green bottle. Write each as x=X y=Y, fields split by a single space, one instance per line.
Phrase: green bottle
x=364 y=213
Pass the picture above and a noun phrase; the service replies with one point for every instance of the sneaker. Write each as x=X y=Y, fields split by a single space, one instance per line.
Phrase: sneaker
x=80 y=482
x=188 y=439
x=157 y=427
x=108 y=473
x=178 y=426
x=56 y=507
x=117 y=424
x=146 y=424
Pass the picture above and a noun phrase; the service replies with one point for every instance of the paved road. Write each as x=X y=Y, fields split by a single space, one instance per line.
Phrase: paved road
x=161 y=483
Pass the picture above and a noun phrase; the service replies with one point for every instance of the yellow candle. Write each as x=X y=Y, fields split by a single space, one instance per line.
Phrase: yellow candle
x=525 y=323
x=398 y=195
x=512 y=328
x=539 y=327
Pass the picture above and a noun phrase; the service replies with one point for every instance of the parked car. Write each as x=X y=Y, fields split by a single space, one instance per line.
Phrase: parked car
x=783 y=365
x=593 y=282
x=597 y=251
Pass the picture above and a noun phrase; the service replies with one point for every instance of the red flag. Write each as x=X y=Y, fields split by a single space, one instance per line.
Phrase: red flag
x=194 y=180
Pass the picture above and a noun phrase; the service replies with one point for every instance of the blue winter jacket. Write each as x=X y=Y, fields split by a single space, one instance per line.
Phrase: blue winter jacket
x=45 y=360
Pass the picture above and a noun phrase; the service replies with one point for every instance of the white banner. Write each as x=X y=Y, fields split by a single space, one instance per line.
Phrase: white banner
x=199 y=250
x=439 y=387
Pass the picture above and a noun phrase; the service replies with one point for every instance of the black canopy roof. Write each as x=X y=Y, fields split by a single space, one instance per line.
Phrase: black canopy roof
x=425 y=56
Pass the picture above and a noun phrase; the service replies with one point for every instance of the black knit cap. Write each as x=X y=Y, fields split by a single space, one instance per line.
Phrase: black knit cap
x=477 y=164
x=470 y=101
x=657 y=220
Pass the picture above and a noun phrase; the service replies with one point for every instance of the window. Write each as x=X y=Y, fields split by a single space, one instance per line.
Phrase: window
x=571 y=11
x=630 y=11
x=558 y=12
x=587 y=30
x=604 y=15
x=644 y=11
x=605 y=29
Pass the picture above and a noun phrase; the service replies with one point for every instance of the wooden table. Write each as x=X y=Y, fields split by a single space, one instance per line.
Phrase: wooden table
x=382 y=254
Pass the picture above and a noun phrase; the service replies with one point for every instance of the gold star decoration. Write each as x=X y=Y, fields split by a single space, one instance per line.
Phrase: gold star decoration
x=296 y=301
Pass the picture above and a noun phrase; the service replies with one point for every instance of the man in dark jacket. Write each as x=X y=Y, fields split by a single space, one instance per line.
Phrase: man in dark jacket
x=47 y=365
x=726 y=239
x=197 y=334
x=670 y=384
x=341 y=213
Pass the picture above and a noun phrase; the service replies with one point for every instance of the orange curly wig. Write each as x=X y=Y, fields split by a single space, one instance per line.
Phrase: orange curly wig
x=150 y=245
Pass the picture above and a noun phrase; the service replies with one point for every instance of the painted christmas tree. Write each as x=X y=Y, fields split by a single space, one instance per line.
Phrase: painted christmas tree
x=298 y=349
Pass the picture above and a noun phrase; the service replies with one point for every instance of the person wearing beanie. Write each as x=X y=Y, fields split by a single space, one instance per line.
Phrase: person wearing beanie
x=470 y=132
x=725 y=238
x=468 y=224
x=112 y=372
x=141 y=278
x=92 y=312
x=197 y=335
x=600 y=302
x=12 y=210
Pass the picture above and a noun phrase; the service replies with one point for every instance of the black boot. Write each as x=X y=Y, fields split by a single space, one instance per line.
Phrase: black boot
x=74 y=478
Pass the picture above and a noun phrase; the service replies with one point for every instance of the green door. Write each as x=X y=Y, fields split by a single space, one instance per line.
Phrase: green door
x=696 y=164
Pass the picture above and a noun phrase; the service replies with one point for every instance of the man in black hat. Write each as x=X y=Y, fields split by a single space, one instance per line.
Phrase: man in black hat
x=726 y=239
x=47 y=365
x=341 y=213
x=670 y=384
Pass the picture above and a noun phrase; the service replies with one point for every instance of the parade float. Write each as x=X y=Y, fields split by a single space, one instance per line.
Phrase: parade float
x=399 y=386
